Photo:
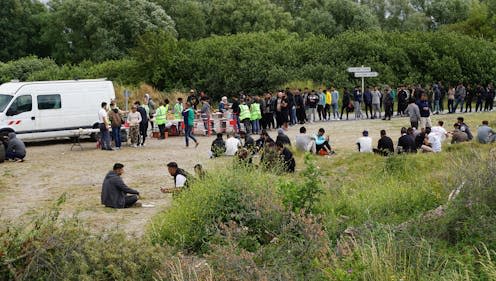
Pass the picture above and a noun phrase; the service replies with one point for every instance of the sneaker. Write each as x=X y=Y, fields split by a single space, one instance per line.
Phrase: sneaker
x=20 y=160
x=143 y=145
x=196 y=144
x=134 y=145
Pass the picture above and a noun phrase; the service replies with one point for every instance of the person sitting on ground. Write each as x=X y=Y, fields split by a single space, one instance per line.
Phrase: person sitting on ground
x=385 y=145
x=248 y=142
x=440 y=131
x=364 y=143
x=287 y=157
x=406 y=143
x=432 y=142
x=282 y=137
x=304 y=142
x=486 y=134
x=457 y=136
x=232 y=145
x=16 y=150
x=420 y=138
x=264 y=140
x=243 y=156
x=115 y=193
x=464 y=127
x=218 y=147
x=180 y=178
x=322 y=142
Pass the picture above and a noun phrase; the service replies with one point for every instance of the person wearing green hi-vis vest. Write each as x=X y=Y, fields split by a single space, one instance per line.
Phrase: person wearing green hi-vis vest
x=255 y=115
x=245 y=115
x=178 y=109
x=161 y=118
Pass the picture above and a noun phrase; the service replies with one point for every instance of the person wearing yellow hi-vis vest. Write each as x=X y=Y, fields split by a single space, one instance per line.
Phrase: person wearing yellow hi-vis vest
x=245 y=115
x=161 y=118
x=255 y=115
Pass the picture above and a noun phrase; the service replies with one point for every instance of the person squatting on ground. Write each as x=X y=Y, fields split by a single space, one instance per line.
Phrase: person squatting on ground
x=16 y=150
x=180 y=178
x=385 y=145
x=287 y=158
x=115 y=193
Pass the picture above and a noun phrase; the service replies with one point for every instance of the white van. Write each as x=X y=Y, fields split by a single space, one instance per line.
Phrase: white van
x=52 y=109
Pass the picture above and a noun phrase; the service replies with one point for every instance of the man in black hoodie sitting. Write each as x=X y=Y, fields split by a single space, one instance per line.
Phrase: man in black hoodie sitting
x=115 y=193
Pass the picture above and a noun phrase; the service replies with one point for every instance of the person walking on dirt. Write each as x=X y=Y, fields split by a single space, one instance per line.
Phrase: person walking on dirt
x=115 y=193
x=103 y=124
x=189 y=119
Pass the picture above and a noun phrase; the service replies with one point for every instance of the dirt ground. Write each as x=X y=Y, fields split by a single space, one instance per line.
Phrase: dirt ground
x=52 y=169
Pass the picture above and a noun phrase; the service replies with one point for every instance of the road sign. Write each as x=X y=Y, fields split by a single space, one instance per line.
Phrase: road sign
x=366 y=74
x=359 y=69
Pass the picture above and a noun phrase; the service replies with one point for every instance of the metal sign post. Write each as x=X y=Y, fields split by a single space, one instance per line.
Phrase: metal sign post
x=362 y=72
x=126 y=96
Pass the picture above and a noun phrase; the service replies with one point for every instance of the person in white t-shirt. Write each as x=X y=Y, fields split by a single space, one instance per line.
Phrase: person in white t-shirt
x=103 y=124
x=432 y=142
x=440 y=131
x=232 y=145
x=364 y=143
x=180 y=178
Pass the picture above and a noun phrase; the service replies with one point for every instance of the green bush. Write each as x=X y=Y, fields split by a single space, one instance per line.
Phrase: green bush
x=49 y=248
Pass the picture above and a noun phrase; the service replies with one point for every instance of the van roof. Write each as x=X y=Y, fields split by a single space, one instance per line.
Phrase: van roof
x=12 y=87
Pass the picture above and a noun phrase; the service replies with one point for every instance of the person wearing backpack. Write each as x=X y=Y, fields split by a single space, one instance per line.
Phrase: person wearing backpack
x=180 y=178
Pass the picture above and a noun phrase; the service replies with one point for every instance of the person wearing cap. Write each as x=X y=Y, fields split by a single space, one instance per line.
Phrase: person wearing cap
x=115 y=193
x=364 y=143
x=180 y=178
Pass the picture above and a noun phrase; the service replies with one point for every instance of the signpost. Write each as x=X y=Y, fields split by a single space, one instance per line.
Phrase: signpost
x=127 y=94
x=362 y=72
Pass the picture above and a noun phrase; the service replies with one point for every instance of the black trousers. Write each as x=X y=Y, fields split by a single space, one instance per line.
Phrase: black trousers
x=161 y=129
x=318 y=147
x=368 y=107
x=300 y=115
x=344 y=108
x=143 y=127
x=130 y=200
x=321 y=112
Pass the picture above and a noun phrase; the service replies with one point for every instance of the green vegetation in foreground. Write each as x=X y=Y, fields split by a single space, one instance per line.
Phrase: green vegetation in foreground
x=365 y=217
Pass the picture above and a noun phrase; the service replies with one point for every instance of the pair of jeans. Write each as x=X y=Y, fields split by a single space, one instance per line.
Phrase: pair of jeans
x=187 y=133
x=458 y=101
x=335 y=113
x=255 y=126
x=105 y=137
x=292 y=116
x=436 y=106
x=450 y=105
x=116 y=135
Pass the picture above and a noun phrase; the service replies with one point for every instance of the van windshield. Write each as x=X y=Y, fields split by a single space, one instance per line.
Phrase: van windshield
x=4 y=101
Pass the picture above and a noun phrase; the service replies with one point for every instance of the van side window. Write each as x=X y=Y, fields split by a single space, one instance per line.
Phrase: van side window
x=48 y=102
x=20 y=105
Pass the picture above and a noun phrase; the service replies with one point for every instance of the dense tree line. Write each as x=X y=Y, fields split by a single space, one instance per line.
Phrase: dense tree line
x=71 y=31
x=261 y=61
